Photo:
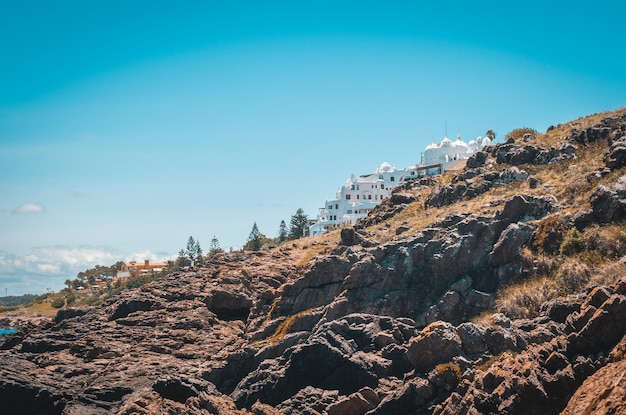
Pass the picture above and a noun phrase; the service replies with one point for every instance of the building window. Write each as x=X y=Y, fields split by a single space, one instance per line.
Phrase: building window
x=393 y=179
x=412 y=173
x=336 y=206
x=347 y=197
x=357 y=187
x=352 y=187
x=330 y=207
x=357 y=196
x=369 y=197
x=382 y=186
x=349 y=211
x=380 y=176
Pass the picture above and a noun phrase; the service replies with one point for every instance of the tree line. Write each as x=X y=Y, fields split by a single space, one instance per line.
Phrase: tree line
x=298 y=228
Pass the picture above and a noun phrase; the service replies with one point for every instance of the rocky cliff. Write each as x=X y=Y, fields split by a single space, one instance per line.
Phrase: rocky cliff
x=501 y=289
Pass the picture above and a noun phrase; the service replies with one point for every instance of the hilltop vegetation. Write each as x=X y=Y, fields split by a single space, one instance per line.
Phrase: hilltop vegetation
x=497 y=289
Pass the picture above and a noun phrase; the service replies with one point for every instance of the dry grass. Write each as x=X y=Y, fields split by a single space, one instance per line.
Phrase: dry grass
x=572 y=276
x=609 y=240
x=608 y=273
x=44 y=309
x=524 y=300
x=283 y=329
x=560 y=131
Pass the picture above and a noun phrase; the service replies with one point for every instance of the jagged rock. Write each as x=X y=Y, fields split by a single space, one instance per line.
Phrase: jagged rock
x=463 y=189
x=558 y=310
x=20 y=393
x=178 y=389
x=317 y=287
x=477 y=159
x=413 y=395
x=349 y=237
x=522 y=208
x=357 y=403
x=325 y=362
x=511 y=240
x=437 y=343
x=616 y=156
x=605 y=327
x=69 y=313
x=603 y=393
x=398 y=198
x=516 y=155
x=228 y=304
x=590 y=134
x=309 y=400
x=261 y=409
x=609 y=204
x=595 y=176
x=131 y=305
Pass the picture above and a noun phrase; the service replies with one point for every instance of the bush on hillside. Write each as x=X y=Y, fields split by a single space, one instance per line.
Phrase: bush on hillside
x=519 y=133
x=549 y=234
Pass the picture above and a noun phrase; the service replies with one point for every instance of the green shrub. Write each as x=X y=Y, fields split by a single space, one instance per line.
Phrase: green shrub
x=58 y=302
x=138 y=281
x=572 y=243
x=549 y=234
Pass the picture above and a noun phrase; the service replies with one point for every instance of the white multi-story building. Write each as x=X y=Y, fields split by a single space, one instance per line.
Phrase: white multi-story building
x=356 y=198
x=359 y=196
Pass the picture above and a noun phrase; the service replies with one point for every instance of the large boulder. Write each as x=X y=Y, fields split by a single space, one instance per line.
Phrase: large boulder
x=609 y=204
x=228 y=304
x=523 y=208
x=437 y=343
x=131 y=305
x=326 y=361
x=512 y=239
x=616 y=156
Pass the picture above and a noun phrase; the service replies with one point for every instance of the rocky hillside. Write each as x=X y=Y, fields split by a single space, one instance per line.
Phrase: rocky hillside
x=500 y=289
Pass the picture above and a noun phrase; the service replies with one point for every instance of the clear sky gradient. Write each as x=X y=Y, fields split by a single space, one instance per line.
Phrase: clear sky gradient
x=127 y=126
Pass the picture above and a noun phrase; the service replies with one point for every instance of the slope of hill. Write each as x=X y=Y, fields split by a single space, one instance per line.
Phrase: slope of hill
x=498 y=289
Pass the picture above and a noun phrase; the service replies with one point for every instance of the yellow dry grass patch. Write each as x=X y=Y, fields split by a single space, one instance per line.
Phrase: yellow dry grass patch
x=556 y=135
x=283 y=329
x=44 y=309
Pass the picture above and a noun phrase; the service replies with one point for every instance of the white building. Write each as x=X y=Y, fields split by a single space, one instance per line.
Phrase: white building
x=356 y=198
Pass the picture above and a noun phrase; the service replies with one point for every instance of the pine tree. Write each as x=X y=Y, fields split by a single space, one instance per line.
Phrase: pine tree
x=198 y=260
x=191 y=250
x=255 y=240
x=215 y=247
x=299 y=225
x=282 y=232
x=183 y=261
x=192 y=255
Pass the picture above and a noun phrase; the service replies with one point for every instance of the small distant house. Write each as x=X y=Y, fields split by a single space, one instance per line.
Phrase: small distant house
x=134 y=268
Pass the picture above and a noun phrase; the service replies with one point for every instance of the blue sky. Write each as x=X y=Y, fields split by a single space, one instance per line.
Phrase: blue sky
x=126 y=127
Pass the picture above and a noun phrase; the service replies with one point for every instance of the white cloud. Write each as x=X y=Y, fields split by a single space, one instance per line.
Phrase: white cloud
x=29 y=207
x=49 y=266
